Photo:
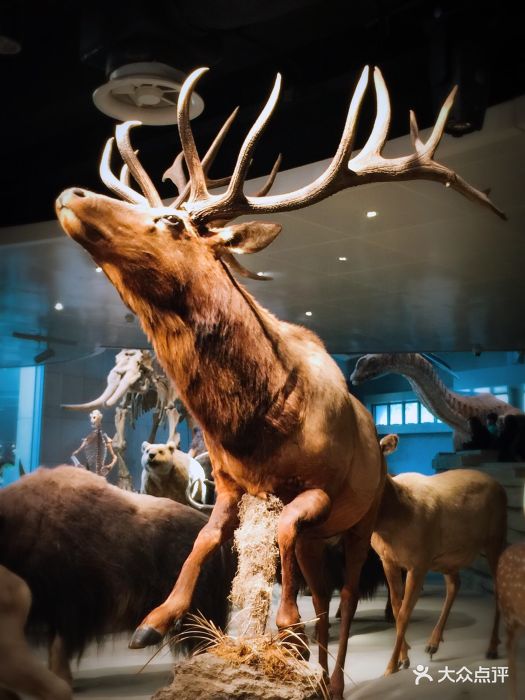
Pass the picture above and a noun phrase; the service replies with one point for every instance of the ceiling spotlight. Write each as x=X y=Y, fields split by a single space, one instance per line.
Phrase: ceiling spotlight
x=46 y=354
x=59 y=306
x=98 y=269
x=147 y=91
x=342 y=258
x=371 y=214
x=307 y=313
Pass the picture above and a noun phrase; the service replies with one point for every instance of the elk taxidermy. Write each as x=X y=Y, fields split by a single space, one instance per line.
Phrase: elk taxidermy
x=274 y=407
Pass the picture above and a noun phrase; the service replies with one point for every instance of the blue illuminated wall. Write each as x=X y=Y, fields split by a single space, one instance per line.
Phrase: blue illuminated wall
x=21 y=391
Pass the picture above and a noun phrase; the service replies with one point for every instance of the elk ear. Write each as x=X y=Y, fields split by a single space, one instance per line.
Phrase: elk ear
x=145 y=446
x=248 y=237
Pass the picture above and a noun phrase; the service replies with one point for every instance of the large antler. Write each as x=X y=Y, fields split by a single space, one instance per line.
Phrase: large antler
x=343 y=171
x=175 y=173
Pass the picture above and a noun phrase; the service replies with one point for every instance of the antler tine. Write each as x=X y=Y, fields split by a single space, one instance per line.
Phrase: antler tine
x=124 y=175
x=270 y=180
x=234 y=191
x=131 y=160
x=198 y=190
x=439 y=127
x=377 y=138
x=414 y=133
x=119 y=187
x=176 y=174
x=207 y=161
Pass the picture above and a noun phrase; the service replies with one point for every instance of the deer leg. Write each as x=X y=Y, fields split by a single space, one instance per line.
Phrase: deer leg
x=356 y=544
x=394 y=577
x=453 y=583
x=58 y=660
x=310 y=559
x=413 y=586
x=493 y=554
x=513 y=634
x=219 y=528
x=307 y=508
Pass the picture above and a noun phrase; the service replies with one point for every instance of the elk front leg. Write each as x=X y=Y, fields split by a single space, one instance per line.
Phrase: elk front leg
x=307 y=508
x=220 y=528
x=413 y=586
x=453 y=584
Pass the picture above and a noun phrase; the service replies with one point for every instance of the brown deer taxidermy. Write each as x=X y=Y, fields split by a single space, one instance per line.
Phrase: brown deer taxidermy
x=274 y=407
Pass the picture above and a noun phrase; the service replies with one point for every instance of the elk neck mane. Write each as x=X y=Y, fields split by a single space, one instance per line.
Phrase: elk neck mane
x=230 y=361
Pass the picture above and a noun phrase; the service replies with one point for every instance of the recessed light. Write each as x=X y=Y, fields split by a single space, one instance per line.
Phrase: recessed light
x=59 y=306
x=307 y=313
x=98 y=269
x=371 y=214
x=342 y=258
x=261 y=274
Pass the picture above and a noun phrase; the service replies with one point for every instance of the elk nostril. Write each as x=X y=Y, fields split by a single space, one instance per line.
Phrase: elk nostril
x=78 y=192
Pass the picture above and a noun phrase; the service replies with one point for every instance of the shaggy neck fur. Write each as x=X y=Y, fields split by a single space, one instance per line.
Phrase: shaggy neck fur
x=224 y=353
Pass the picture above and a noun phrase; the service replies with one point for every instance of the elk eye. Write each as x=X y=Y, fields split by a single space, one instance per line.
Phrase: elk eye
x=173 y=221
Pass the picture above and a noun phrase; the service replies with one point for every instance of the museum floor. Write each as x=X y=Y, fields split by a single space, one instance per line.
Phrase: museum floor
x=113 y=672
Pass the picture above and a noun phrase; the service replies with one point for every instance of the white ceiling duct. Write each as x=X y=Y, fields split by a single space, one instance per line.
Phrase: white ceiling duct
x=144 y=91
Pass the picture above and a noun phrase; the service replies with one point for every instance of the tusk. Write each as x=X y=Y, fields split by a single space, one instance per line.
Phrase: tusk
x=96 y=403
x=124 y=385
x=195 y=504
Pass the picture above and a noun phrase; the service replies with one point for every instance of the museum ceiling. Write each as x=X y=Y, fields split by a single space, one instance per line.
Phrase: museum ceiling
x=430 y=271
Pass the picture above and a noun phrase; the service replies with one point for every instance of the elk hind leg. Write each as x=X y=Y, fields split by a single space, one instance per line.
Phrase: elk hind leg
x=394 y=576
x=219 y=528
x=307 y=508
x=413 y=586
x=356 y=546
x=310 y=555
x=59 y=659
x=453 y=583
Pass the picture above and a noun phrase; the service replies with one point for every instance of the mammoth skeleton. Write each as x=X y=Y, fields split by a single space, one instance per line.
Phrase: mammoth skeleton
x=134 y=386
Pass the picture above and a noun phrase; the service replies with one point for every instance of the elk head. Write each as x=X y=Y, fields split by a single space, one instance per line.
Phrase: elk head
x=151 y=251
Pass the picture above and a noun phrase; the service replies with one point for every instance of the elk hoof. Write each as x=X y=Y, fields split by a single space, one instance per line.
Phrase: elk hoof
x=491 y=654
x=405 y=663
x=145 y=637
x=431 y=650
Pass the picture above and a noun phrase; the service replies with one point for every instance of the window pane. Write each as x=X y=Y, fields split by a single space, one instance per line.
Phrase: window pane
x=503 y=397
x=411 y=415
x=396 y=413
x=500 y=389
x=381 y=414
x=482 y=390
x=426 y=416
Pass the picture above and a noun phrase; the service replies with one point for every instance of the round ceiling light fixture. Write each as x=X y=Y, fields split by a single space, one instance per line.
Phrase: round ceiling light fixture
x=144 y=91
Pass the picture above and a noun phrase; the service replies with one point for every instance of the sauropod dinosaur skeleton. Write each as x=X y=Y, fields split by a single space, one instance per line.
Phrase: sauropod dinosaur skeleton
x=452 y=408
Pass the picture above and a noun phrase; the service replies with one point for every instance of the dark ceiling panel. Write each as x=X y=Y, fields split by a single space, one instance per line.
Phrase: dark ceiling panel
x=52 y=134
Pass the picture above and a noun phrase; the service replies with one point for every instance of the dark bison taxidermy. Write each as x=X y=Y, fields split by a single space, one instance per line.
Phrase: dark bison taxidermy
x=97 y=558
